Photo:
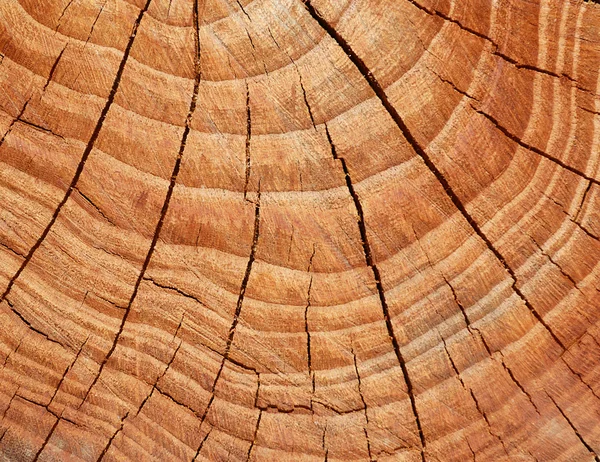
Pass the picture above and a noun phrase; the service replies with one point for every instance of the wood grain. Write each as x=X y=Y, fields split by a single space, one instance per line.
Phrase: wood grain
x=300 y=230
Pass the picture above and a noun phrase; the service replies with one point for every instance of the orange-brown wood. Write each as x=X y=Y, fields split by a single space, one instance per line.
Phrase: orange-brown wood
x=299 y=230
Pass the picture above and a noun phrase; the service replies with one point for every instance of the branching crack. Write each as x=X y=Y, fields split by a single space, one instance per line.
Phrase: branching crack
x=470 y=328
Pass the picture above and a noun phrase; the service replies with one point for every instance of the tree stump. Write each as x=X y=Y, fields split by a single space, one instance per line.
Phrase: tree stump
x=299 y=230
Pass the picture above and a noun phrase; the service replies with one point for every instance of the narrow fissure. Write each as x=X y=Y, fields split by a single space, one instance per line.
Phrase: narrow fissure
x=583 y=199
x=380 y=93
x=364 y=403
x=531 y=148
x=112 y=438
x=579 y=436
x=380 y=291
x=164 y=209
x=37 y=455
x=155 y=384
x=255 y=435
x=69 y=367
x=17 y=119
x=248 y=141
x=470 y=390
x=238 y=310
x=306 y=309
x=54 y=66
x=86 y=152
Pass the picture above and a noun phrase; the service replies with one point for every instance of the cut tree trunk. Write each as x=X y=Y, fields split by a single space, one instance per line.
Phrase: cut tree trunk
x=299 y=230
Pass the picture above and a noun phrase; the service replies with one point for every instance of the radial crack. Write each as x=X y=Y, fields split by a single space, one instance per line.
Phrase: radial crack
x=380 y=291
x=495 y=46
x=54 y=66
x=95 y=21
x=579 y=436
x=86 y=152
x=164 y=372
x=238 y=310
x=202 y=441
x=532 y=148
x=37 y=455
x=554 y=263
x=243 y=10
x=518 y=384
x=364 y=403
x=462 y=309
x=255 y=435
x=581 y=379
x=310 y=113
x=248 y=140
x=111 y=439
x=475 y=401
x=306 y=309
x=393 y=113
x=69 y=367
x=62 y=14
x=165 y=206
x=583 y=199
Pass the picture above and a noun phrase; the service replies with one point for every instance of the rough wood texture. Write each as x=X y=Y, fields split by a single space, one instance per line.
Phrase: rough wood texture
x=299 y=230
